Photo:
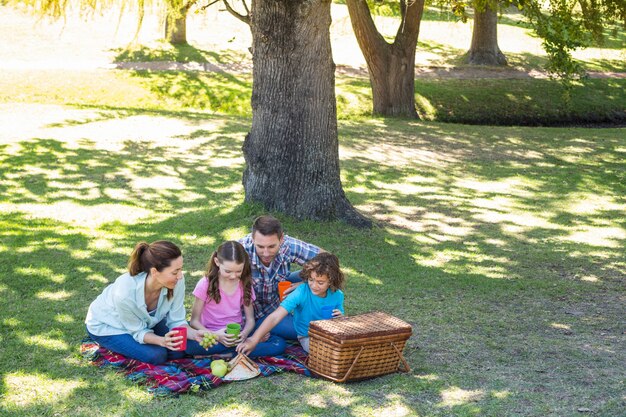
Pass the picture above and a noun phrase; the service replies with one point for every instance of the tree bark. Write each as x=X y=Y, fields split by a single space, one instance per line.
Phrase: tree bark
x=175 y=28
x=391 y=67
x=292 y=151
x=484 y=49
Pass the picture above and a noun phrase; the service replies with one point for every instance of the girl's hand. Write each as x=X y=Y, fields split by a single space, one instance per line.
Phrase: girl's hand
x=224 y=338
x=172 y=340
x=337 y=313
x=196 y=334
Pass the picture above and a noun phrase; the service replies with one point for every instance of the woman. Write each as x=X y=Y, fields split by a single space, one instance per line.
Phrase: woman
x=134 y=315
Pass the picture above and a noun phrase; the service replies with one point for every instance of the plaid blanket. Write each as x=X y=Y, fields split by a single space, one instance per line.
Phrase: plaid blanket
x=187 y=375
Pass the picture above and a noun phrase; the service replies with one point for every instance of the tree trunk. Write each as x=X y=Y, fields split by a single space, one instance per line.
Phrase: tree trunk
x=484 y=49
x=391 y=66
x=175 y=30
x=292 y=151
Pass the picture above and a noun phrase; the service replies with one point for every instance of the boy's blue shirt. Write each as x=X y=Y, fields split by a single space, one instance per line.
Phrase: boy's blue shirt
x=307 y=306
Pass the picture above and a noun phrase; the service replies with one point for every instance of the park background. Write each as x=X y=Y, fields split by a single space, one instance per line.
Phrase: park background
x=503 y=246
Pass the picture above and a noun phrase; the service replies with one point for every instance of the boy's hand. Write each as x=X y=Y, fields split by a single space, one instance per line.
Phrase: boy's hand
x=246 y=347
x=337 y=313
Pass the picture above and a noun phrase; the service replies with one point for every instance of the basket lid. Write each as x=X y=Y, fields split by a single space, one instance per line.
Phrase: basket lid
x=377 y=323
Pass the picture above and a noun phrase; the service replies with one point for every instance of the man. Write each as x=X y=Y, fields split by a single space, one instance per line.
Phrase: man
x=271 y=254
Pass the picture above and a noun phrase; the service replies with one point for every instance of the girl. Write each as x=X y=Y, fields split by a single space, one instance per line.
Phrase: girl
x=134 y=315
x=323 y=282
x=221 y=296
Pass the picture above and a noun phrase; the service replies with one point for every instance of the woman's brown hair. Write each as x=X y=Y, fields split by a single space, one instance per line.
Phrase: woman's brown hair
x=159 y=255
x=230 y=251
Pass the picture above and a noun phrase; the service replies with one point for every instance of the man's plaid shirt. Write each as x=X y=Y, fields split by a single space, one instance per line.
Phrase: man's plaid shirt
x=265 y=282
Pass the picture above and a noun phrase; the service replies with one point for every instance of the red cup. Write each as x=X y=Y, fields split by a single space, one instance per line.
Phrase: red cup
x=282 y=286
x=182 y=331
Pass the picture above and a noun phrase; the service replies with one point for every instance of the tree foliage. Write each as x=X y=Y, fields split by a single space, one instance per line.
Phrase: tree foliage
x=562 y=25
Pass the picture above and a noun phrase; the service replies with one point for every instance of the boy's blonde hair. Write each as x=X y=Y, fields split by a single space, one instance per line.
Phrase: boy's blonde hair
x=325 y=263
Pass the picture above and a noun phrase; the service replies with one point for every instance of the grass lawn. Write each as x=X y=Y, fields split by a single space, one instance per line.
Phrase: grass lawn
x=503 y=247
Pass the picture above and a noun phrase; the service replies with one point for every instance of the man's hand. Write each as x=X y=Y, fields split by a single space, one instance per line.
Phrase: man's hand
x=293 y=286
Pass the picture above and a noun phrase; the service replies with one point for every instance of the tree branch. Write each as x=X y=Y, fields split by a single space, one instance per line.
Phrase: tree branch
x=245 y=19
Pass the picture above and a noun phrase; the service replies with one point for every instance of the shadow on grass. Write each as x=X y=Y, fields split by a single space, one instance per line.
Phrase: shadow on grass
x=175 y=53
x=513 y=294
x=217 y=91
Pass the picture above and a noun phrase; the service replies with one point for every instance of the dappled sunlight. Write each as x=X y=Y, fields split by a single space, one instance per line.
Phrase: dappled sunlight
x=427 y=377
x=11 y=322
x=158 y=182
x=560 y=326
x=500 y=394
x=589 y=278
x=114 y=133
x=54 y=296
x=389 y=154
x=43 y=272
x=46 y=342
x=591 y=204
x=326 y=400
x=509 y=186
x=394 y=409
x=407 y=187
x=515 y=222
x=64 y=318
x=81 y=215
x=608 y=237
x=234 y=233
x=25 y=390
x=455 y=396
x=463 y=262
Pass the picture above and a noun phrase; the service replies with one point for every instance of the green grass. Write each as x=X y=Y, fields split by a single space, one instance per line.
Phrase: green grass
x=503 y=247
x=478 y=101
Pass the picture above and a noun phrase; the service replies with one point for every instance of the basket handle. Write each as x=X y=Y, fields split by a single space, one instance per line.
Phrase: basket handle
x=345 y=377
x=404 y=363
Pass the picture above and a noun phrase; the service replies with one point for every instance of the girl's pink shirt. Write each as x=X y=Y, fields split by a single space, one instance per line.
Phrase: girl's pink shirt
x=216 y=316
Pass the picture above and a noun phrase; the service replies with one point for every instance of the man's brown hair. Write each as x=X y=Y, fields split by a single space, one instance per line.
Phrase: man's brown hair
x=267 y=226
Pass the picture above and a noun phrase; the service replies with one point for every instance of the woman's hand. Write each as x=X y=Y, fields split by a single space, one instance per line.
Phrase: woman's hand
x=172 y=340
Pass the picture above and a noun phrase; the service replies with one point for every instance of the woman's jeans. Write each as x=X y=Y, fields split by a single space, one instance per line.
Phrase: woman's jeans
x=129 y=347
x=273 y=346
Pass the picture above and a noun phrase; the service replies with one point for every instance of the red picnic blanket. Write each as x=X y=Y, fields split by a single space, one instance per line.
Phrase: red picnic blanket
x=189 y=374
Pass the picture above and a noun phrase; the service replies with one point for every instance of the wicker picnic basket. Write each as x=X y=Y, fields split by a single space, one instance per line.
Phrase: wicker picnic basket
x=357 y=347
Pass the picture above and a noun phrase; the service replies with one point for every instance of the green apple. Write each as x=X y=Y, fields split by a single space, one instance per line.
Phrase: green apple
x=219 y=369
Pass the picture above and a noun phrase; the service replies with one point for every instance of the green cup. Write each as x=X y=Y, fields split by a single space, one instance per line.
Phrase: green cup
x=233 y=328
